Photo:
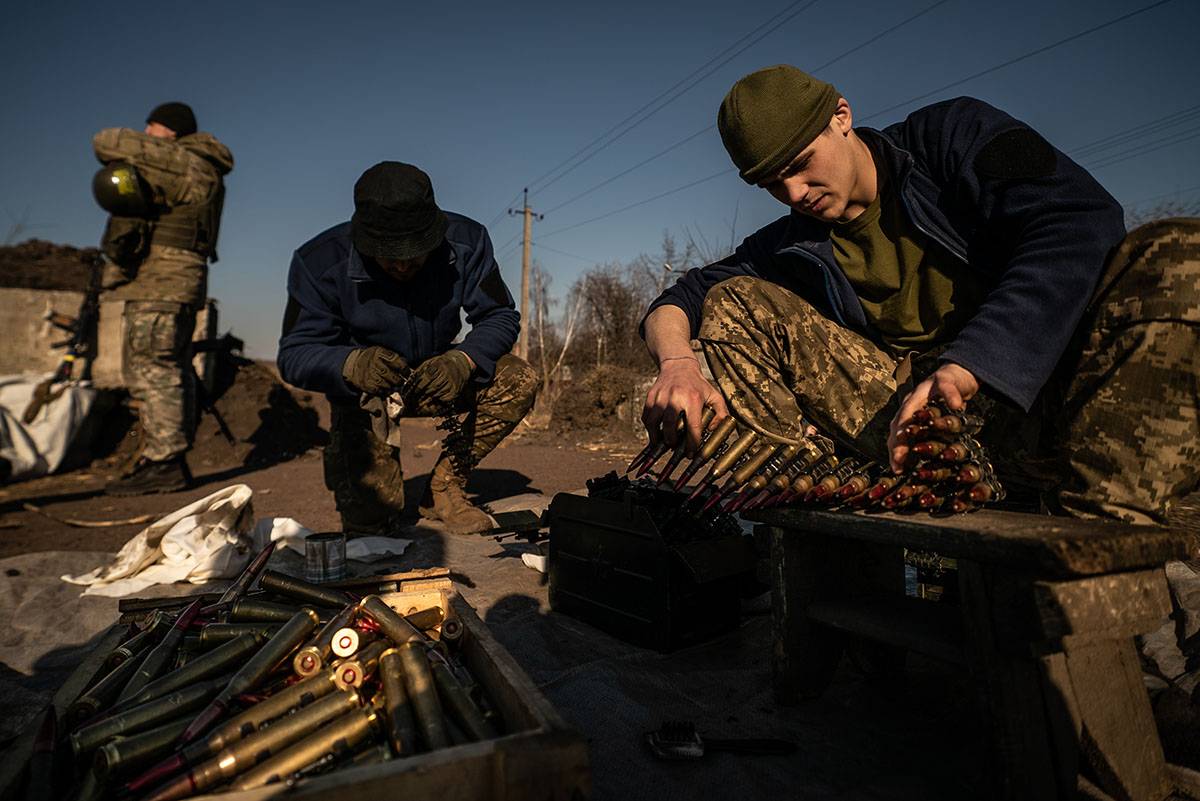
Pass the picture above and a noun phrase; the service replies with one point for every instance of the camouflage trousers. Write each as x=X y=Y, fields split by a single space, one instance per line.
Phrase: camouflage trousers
x=364 y=472
x=1116 y=432
x=157 y=352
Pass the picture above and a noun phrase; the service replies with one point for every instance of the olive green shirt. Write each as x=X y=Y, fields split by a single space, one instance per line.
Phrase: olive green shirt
x=916 y=297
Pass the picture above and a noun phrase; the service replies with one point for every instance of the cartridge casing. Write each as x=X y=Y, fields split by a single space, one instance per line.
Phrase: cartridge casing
x=342 y=736
x=418 y=682
x=303 y=591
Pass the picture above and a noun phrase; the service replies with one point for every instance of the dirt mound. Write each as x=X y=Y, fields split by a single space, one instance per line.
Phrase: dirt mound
x=268 y=421
x=606 y=399
x=37 y=264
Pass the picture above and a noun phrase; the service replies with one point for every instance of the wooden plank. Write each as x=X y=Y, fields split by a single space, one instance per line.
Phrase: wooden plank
x=1009 y=688
x=1050 y=546
x=1119 y=740
x=804 y=655
x=1065 y=726
x=1105 y=605
x=927 y=627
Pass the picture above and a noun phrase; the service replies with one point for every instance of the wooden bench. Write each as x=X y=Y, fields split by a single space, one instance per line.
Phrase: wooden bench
x=1045 y=624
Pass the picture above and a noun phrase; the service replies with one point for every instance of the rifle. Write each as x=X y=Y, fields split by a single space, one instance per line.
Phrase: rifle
x=225 y=344
x=80 y=344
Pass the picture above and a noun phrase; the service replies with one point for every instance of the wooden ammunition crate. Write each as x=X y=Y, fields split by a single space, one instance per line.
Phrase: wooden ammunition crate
x=539 y=757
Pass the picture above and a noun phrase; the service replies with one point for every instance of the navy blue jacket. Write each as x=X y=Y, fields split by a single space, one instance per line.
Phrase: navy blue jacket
x=995 y=195
x=339 y=302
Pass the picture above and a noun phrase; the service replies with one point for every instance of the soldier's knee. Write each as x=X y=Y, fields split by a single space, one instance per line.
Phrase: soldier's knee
x=732 y=292
x=518 y=377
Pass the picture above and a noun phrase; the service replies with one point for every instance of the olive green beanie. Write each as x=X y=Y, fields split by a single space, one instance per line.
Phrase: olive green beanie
x=770 y=115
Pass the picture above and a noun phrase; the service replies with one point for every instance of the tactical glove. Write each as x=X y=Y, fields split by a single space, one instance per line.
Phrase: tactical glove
x=374 y=370
x=441 y=377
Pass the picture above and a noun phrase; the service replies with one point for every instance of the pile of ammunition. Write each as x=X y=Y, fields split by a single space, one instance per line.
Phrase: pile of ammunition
x=267 y=686
x=946 y=470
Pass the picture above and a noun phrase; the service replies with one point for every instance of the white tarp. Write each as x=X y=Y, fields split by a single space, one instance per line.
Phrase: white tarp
x=212 y=538
x=38 y=448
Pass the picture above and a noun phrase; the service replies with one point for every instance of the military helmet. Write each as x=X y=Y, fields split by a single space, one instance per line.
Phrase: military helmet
x=119 y=190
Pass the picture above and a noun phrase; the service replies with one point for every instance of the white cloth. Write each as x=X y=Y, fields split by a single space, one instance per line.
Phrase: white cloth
x=209 y=539
x=40 y=447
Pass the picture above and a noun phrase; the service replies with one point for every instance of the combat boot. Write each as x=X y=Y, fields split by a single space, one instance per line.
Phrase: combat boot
x=148 y=477
x=446 y=500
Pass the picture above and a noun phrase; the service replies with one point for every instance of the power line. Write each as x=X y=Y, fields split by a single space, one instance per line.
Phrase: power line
x=564 y=253
x=771 y=25
x=1183 y=191
x=504 y=212
x=1022 y=57
x=1137 y=131
x=659 y=196
x=1125 y=155
x=625 y=172
x=690 y=137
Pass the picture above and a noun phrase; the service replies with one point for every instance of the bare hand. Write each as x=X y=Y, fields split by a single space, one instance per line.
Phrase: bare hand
x=680 y=389
x=951 y=382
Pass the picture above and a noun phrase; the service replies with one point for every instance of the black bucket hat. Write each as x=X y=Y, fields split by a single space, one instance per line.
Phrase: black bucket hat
x=395 y=215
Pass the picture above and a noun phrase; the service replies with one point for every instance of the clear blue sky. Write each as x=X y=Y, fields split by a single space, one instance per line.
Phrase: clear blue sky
x=487 y=97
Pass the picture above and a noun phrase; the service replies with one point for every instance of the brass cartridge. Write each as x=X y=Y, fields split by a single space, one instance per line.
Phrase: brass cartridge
x=162 y=655
x=216 y=634
x=244 y=754
x=340 y=737
x=458 y=703
x=139 y=642
x=299 y=694
x=970 y=474
x=418 y=682
x=102 y=694
x=315 y=654
x=401 y=726
x=303 y=591
x=213 y=663
x=126 y=753
x=272 y=653
x=353 y=672
x=955 y=452
x=145 y=716
x=709 y=447
x=249 y=610
x=391 y=624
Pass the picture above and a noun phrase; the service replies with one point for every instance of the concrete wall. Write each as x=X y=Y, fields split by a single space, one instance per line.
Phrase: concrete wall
x=26 y=336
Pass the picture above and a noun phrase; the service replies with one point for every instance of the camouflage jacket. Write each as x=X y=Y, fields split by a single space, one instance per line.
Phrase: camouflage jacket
x=999 y=199
x=184 y=177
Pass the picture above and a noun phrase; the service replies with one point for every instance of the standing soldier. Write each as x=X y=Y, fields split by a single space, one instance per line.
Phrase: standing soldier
x=163 y=187
x=374 y=307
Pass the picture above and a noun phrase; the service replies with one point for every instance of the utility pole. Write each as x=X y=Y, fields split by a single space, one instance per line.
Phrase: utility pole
x=526 y=244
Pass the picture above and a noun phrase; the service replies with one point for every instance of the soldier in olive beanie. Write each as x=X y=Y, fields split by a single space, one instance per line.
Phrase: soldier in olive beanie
x=770 y=115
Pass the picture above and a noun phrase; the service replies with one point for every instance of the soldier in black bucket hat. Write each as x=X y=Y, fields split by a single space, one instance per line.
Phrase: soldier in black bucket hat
x=374 y=312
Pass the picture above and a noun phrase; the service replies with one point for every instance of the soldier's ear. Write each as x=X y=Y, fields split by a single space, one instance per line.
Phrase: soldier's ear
x=843 y=117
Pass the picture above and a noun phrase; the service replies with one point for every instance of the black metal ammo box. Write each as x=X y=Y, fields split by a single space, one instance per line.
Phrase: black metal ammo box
x=631 y=561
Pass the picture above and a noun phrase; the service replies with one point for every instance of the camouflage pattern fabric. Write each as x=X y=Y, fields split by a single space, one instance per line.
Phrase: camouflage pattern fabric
x=181 y=173
x=167 y=274
x=1116 y=433
x=1129 y=420
x=157 y=351
x=364 y=473
x=772 y=355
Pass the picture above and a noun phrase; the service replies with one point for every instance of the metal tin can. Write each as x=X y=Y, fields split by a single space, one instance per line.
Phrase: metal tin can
x=325 y=557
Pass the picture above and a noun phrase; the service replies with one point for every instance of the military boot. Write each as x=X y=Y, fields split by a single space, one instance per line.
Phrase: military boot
x=445 y=500
x=148 y=477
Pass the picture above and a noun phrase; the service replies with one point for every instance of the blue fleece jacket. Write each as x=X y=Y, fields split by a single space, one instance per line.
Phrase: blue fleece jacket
x=994 y=194
x=337 y=301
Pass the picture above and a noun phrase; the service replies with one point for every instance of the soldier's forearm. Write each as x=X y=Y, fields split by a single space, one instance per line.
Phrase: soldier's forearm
x=668 y=334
